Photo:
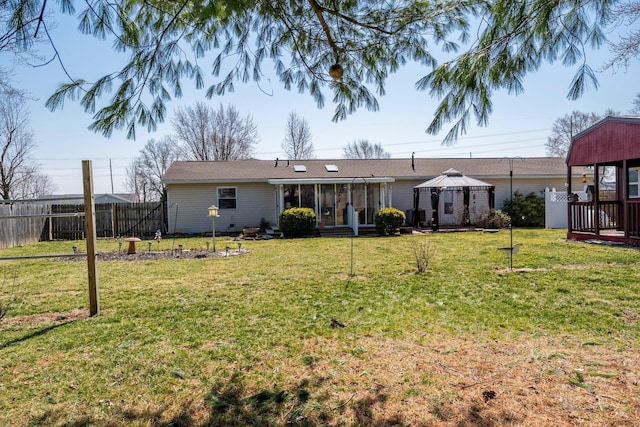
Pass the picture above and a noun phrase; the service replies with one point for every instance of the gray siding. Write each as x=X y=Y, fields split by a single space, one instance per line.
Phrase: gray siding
x=531 y=185
x=402 y=194
x=254 y=201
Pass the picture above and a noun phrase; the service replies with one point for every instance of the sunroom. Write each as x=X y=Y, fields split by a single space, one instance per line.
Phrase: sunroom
x=338 y=202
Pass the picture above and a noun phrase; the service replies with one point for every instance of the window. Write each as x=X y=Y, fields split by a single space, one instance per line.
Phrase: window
x=227 y=198
x=634 y=173
x=447 y=197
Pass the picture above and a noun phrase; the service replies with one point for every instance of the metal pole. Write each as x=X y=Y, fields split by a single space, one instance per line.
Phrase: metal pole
x=213 y=221
x=511 y=223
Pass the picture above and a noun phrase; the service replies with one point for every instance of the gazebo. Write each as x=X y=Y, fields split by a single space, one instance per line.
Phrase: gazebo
x=456 y=199
x=612 y=213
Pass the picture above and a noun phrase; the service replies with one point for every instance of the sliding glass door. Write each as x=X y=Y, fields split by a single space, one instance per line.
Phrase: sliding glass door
x=333 y=205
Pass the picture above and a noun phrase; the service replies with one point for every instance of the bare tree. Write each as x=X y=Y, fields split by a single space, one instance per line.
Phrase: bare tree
x=145 y=172
x=19 y=173
x=34 y=185
x=135 y=180
x=363 y=149
x=209 y=134
x=569 y=125
x=627 y=46
x=635 y=110
x=297 y=143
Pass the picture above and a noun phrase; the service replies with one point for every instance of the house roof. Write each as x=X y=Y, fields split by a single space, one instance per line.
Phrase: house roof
x=79 y=198
x=610 y=140
x=453 y=179
x=183 y=172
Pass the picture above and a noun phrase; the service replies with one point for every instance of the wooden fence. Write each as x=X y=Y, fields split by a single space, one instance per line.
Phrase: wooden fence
x=112 y=220
x=21 y=228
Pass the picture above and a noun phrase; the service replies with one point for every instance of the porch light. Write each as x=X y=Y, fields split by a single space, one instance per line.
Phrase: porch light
x=213 y=213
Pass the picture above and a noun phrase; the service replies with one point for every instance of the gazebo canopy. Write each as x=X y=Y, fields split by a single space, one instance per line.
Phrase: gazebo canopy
x=452 y=180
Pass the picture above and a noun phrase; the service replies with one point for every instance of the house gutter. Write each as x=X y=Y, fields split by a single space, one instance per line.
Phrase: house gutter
x=346 y=180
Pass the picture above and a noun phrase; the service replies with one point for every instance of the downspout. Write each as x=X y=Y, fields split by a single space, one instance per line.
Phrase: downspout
x=279 y=202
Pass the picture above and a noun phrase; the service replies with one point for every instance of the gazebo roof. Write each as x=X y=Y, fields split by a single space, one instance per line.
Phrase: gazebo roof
x=453 y=179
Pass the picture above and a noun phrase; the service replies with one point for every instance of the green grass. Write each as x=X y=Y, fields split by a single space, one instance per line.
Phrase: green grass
x=214 y=340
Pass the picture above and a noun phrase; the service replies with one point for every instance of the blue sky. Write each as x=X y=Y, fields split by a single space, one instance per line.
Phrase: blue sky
x=519 y=125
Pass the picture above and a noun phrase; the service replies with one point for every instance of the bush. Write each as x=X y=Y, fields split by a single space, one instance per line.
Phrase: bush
x=387 y=220
x=525 y=211
x=494 y=218
x=297 y=222
x=423 y=252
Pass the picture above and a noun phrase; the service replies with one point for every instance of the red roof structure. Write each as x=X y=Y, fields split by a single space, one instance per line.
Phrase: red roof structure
x=612 y=139
x=611 y=147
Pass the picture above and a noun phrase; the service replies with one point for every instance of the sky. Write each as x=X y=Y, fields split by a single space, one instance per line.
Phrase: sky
x=518 y=127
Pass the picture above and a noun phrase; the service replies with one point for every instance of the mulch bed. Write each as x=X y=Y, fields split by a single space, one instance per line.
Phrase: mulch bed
x=156 y=255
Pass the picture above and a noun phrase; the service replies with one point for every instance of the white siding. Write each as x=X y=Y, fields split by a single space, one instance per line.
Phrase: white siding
x=254 y=201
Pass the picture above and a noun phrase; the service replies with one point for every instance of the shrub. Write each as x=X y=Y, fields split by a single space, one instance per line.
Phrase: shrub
x=297 y=222
x=494 y=218
x=525 y=211
x=423 y=251
x=387 y=220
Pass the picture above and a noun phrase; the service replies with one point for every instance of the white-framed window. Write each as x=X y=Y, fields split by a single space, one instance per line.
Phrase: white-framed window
x=634 y=183
x=227 y=197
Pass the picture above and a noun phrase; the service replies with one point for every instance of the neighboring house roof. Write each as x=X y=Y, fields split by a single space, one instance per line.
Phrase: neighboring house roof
x=452 y=179
x=182 y=172
x=79 y=198
x=610 y=140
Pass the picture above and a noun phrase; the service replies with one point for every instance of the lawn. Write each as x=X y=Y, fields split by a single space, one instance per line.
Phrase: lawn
x=324 y=331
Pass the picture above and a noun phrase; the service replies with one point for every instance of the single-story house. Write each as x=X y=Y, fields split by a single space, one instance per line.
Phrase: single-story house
x=611 y=150
x=343 y=192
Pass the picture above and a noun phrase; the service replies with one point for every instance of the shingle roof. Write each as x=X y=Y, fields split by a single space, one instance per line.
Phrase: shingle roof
x=400 y=169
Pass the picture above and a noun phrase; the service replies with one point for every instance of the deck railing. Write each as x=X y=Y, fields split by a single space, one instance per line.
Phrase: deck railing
x=583 y=216
x=633 y=215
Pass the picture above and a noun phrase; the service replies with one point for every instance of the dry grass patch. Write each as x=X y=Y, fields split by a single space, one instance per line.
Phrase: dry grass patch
x=48 y=318
x=547 y=381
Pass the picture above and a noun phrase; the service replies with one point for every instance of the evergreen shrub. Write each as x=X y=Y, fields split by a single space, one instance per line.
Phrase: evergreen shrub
x=297 y=222
x=387 y=220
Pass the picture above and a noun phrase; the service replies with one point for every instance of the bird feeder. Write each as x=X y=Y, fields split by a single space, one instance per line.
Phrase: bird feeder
x=336 y=71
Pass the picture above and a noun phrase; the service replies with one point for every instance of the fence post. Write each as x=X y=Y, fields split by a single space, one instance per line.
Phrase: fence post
x=90 y=229
x=114 y=221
